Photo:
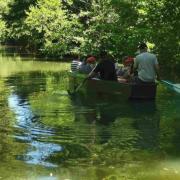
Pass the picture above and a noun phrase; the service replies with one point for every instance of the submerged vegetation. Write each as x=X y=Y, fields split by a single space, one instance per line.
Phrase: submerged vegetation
x=59 y=28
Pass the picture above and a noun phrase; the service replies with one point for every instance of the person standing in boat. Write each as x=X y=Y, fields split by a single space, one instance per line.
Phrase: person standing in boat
x=146 y=65
x=105 y=68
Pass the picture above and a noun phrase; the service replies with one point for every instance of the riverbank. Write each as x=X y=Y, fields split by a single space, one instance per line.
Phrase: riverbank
x=14 y=50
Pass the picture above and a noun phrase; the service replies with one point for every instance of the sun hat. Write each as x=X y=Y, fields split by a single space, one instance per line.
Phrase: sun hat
x=91 y=59
x=129 y=60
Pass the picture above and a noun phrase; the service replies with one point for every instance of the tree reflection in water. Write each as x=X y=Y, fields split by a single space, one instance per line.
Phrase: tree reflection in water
x=120 y=127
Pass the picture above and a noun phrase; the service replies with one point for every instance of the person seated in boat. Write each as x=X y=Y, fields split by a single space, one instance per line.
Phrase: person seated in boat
x=105 y=69
x=120 y=70
x=125 y=73
x=75 y=64
x=116 y=66
x=87 y=66
x=91 y=61
x=147 y=65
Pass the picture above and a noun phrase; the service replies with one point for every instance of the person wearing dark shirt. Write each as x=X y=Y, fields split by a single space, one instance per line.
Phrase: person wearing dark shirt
x=105 y=69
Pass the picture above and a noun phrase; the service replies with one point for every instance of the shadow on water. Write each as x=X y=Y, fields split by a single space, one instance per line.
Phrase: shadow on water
x=142 y=116
x=122 y=132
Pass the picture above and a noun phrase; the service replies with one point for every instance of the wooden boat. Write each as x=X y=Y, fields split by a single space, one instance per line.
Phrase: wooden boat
x=124 y=90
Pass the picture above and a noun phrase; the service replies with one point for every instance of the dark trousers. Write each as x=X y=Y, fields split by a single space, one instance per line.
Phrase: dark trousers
x=139 y=81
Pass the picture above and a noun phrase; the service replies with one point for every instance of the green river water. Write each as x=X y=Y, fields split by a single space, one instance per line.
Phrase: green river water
x=47 y=135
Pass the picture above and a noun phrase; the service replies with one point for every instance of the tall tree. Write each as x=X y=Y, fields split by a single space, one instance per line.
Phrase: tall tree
x=111 y=26
x=163 y=22
x=15 y=19
x=52 y=27
x=4 y=9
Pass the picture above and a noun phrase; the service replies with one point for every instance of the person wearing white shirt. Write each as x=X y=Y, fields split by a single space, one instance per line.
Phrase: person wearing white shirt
x=146 y=65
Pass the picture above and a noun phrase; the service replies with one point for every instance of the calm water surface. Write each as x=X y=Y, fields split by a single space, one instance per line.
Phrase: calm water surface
x=46 y=134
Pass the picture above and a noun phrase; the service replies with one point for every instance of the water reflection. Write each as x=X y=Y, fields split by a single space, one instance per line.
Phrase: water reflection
x=147 y=122
x=102 y=137
x=32 y=133
x=139 y=121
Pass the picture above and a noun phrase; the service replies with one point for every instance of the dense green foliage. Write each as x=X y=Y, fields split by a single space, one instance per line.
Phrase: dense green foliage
x=51 y=27
x=165 y=26
x=17 y=29
x=4 y=9
x=58 y=28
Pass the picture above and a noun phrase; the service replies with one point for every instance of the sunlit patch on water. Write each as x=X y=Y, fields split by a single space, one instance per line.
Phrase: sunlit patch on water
x=31 y=131
x=21 y=108
x=169 y=169
x=39 y=152
x=61 y=93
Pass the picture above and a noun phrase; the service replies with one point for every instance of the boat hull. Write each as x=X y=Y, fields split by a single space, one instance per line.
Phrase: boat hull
x=123 y=90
